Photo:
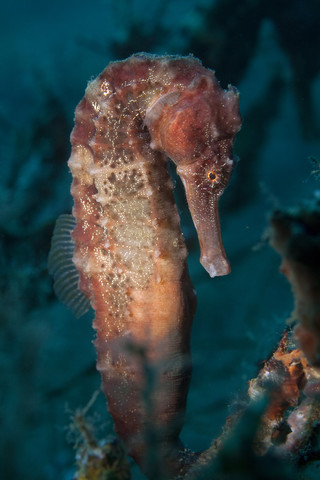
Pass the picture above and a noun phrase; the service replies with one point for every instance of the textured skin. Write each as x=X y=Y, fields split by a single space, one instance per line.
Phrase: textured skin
x=129 y=250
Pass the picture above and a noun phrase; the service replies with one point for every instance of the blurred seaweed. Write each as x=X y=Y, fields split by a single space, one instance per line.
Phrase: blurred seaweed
x=31 y=193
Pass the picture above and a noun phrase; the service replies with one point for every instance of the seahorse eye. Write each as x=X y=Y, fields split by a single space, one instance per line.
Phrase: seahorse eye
x=212 y=176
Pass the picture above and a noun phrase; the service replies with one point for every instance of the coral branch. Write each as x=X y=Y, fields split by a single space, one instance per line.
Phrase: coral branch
x=96 y=459
x=295 y=235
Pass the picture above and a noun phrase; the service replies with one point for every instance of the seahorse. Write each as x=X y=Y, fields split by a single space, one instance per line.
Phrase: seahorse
x=129 y=252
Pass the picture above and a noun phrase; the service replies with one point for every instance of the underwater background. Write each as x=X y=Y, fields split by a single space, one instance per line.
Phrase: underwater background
x=270 y=51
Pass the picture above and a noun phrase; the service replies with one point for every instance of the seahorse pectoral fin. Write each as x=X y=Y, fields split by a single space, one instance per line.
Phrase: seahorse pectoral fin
x=203 y=205
x=62 y=268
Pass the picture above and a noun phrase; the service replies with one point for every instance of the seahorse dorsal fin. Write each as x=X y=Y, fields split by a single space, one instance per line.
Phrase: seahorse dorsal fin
x=62 y=268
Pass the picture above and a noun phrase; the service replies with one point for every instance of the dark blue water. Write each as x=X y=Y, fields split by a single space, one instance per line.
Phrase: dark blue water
x=48 y=52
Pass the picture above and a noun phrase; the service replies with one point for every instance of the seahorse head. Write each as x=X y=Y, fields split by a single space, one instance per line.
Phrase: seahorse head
x=195 y=127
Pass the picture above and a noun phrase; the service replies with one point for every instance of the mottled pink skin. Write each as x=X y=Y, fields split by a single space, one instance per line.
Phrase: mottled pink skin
x=133 y=116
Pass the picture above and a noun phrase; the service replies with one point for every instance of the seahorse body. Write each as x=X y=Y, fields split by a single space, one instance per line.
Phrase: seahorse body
x=129 y=250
